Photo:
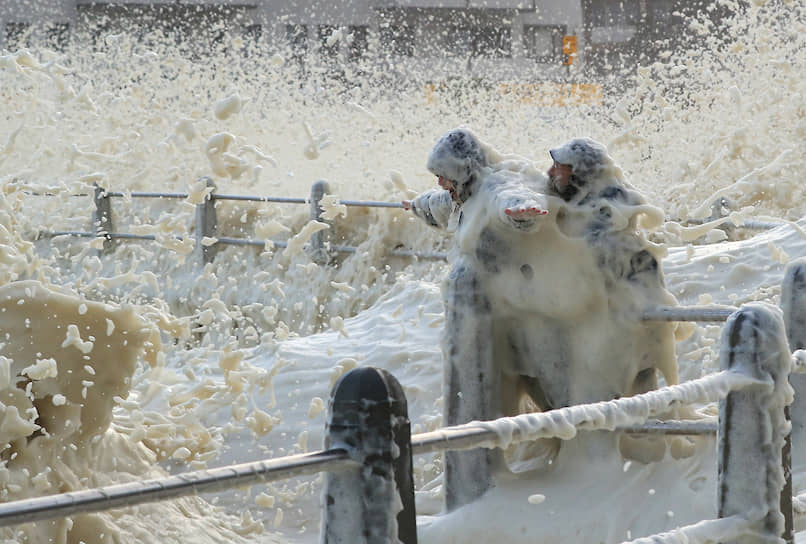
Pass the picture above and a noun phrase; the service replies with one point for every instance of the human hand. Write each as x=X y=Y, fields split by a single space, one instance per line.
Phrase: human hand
x=525 y=212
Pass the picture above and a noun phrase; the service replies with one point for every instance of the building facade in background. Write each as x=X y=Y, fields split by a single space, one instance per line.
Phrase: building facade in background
x=548 y=39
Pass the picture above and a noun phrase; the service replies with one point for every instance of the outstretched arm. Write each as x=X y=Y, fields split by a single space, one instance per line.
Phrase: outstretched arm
x=519 y=206
x=434 y=207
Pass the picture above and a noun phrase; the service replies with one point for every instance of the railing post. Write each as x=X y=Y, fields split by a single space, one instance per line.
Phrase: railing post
x=206 y=225
x=102 y=222
x=719 y=209
x=793 y=304
x=316 y=245
x=752 y=421
x=471 y=383
x=373 y=503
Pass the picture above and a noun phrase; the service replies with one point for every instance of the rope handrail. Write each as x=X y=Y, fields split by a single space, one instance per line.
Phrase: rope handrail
x=565 y=422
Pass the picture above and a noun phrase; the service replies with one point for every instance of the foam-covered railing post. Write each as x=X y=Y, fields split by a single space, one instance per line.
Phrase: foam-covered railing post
x=752 y=422
x=374 y=502
x=472 y=384
x=206 y=225
x=317 y=244
x=102 y=222
x=793 y=303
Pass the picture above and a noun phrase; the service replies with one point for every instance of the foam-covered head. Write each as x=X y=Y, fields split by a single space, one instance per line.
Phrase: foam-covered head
x=587 y=158
x=458 y=156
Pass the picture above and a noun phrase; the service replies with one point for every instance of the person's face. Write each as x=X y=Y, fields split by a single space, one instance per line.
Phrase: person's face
x=560 y=176
x=448 y=185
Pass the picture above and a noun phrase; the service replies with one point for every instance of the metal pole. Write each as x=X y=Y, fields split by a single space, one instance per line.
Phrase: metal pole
x=190 y=483
x=206 y=225
x=687 y=313
x=102 y=222
x=374 y=502
x=751 y=422
x=316 y=245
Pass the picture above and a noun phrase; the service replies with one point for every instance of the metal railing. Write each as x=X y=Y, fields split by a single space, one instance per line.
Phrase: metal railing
x=206 y=222
x=319 y=247
x=368 y=447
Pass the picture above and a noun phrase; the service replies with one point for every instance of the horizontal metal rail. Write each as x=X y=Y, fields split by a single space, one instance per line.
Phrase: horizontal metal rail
x=689 y=428
x=687 y=313
x=435 y=255
x=750 y=224
x=146 y=194
x=242 y=198
x=171 y=487
x=248 y=198
x=370 y=204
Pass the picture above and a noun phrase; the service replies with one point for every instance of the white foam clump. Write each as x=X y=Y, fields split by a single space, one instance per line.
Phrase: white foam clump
x=332 y=207
x=298 y=241
x=187 y=128
x=42 y=369
x=335 y=36
x=226 y=107
x=199 y=192
x=536 y=498
x=337 y=324
x=315 y=142
x=223 y=162
x=73 y=339
x=270 y=228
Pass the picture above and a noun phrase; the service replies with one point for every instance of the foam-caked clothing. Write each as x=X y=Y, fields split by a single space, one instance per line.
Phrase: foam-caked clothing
x=546 y=305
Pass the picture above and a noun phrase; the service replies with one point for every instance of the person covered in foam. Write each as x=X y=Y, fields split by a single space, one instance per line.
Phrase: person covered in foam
x=543 y=300
x=460 y=162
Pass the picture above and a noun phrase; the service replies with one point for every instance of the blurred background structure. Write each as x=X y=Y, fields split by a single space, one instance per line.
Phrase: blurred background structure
x=517 y=39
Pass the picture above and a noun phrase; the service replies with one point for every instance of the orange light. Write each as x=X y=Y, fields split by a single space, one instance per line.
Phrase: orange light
x=569 y=49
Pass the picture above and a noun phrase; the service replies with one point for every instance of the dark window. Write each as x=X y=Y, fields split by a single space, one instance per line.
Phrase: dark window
x=328 y=43
x=397 y=39
x=612 y=21
x=297 y=38
x=58 y=35
x=543 y=43
x=251 y=39
x=359 y=42
x=613 y=12
x=252 y=33
x=663 y=18
x=16 y=35
x=492 y=41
